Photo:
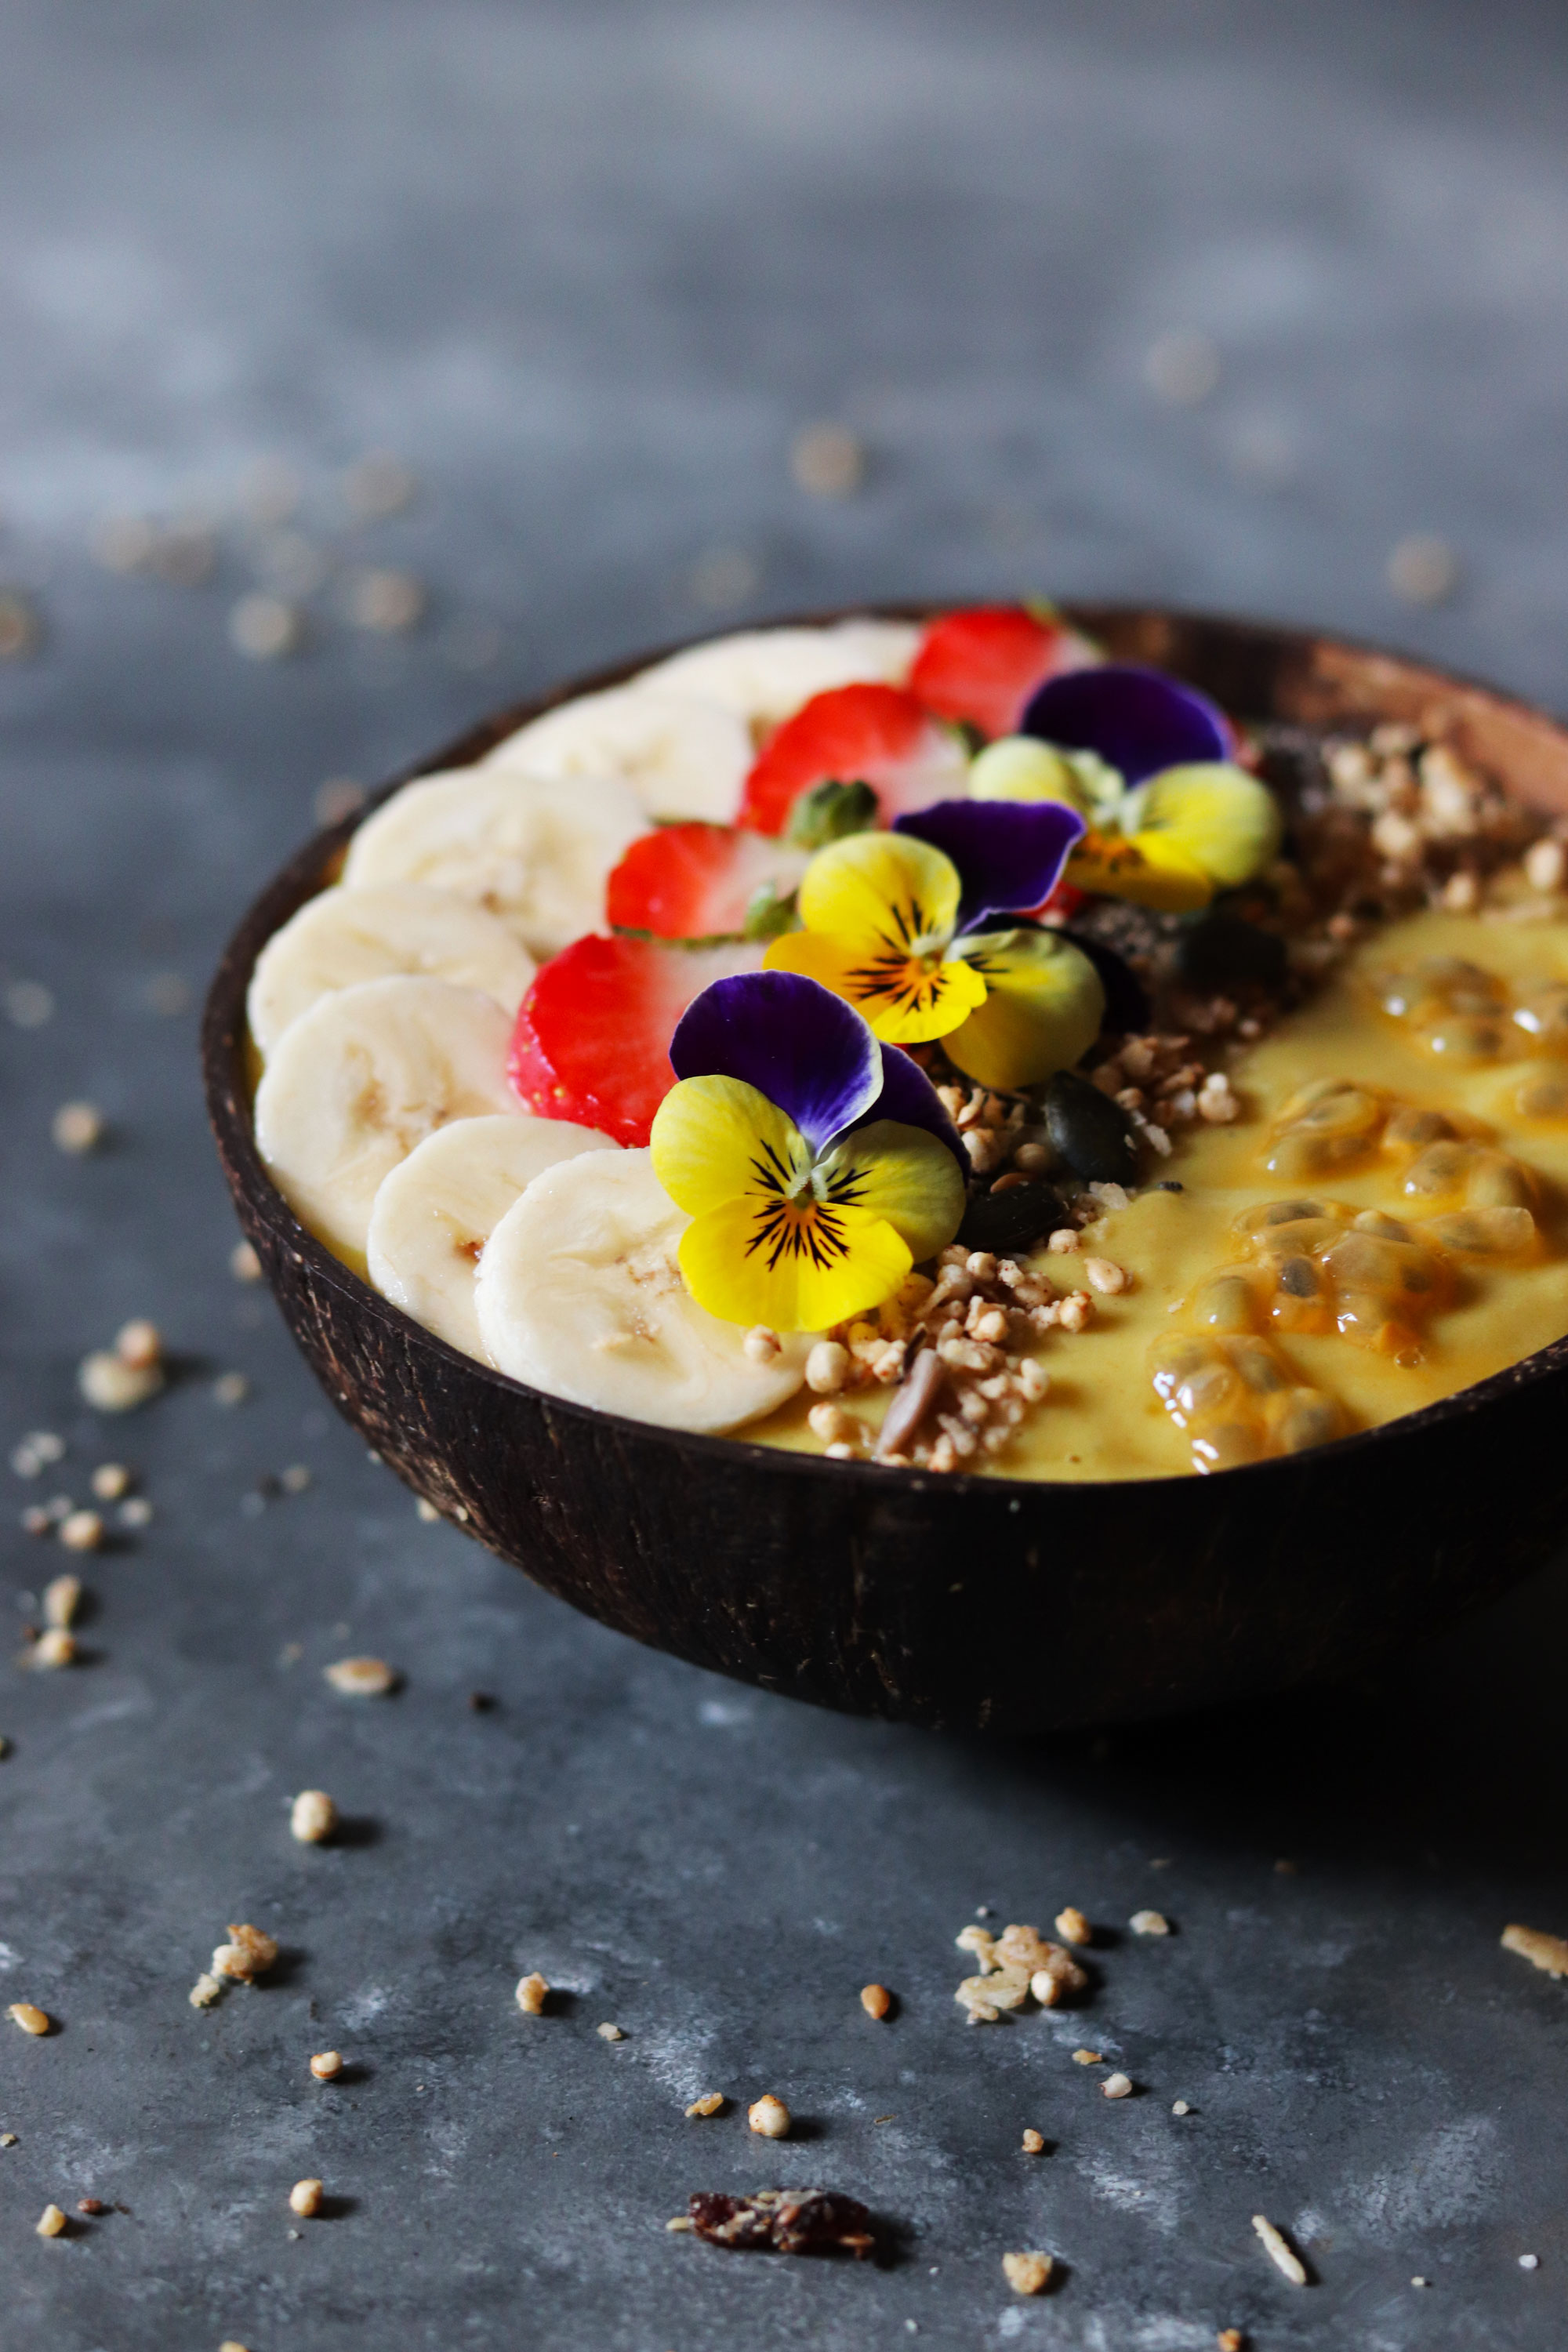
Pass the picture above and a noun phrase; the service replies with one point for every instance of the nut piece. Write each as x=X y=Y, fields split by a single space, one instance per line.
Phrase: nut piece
x=1117 y=2086
x=532 y=1992
x=363 y=1677
x=1033 y=2143
x=1072 y=1926
x=1088 y=2057
x=62 y=1598
x=1027 y=2274
x=51 y=2222
x=708 y=2105
x=769 y=2116
x=110 y=1385
x=305 y=2198
x=30 y=2018
x=1283 y=2256
x=77 y=1127
x=313 y=1816
x=875 y=1999
x=248 y=1953
x=327 y=2065
x=205 y=1992
x=1148 y=1923
x=1547 y=1952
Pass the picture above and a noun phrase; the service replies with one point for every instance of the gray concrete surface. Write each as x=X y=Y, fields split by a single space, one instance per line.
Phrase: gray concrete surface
x=587 y=269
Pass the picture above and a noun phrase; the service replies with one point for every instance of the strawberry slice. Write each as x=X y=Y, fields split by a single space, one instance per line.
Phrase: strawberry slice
x=698 y=881
x=875 y=735
x=979 y=668
x=592 y=1040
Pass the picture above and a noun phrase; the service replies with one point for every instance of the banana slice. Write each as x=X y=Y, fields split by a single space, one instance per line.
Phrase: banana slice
x=345 y=937
x=580 y=1292
x=536 y=851
x=435 y=1213
x=682 y=756
x=765 y=674
x=355 y=1083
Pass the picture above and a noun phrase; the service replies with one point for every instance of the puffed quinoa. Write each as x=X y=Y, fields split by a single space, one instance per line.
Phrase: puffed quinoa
x=761 y=1345
x=109 y=1481
x=1076 y=1312
x=1105 y=1276
x=828 y=1422
x=1027 y=2274
x=875 y=1999
x=312 y=1816
x=1280 y=2252
x=31 y=2019
x=51 y=2222
x=139 y=1344
x=1549 y=1953
x=1088 y=2057
x=327 y=2065
x=1230 y=2339
x=110 y=1385
x=769 y=2117
x=1072 y=1926
x=1117 y=2086
x=78 y=1127
x=205 y=1992
x=1033 y=2143
x=250 y=1953
x=305 y=2198
x=532 y=1992
x=62 y=1598
x=608 y=2032
x=708 y=2105
x=1063 y=1242
x=362 y=1677
x=81 y=1532
x=55 y=1647
x=1150 y=1923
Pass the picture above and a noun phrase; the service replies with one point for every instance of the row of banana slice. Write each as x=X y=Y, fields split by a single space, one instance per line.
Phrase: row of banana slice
x=382 y=1013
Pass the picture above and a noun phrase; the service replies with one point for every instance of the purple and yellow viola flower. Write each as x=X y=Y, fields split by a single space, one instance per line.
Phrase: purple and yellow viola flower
x=905 y=927
x=817 y=1165
x=1150 y=763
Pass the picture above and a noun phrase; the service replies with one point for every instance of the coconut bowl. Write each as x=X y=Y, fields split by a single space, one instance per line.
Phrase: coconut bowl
x=959 y=1601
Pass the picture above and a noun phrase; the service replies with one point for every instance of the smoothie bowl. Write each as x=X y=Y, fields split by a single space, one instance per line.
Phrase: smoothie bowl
x=1004 y=1169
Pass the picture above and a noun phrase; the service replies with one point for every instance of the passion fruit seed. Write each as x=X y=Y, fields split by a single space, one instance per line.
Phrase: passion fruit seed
x=1238 y=1401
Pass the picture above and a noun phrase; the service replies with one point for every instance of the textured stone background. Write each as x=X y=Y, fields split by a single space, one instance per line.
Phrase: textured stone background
x=588 y=269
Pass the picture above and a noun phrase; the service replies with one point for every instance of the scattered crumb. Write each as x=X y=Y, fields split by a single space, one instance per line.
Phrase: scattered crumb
x=1027 y=2274
x=1543 y=1951
x=1033 y=2143
x=327 y=2065
x=250 y=1953
x=1423 y=569
x=31 y=2019
x=710 y=2104
x=608 y=2032
x=264 y=627
x=205 y=1992
x=230 y=1388
x=9 y=2140
x=1072 y=1926
x=762 y=1344
x=296 y=1480
x=363 y=1677
x=139 y=1344
x=532 y=1992
x=305 y=2198
x=90 y=2205
x=109 y=1481
x=243 y=1263
x=312 y=1816
x=36 y=1451
x=387 y=602
x=827 y=461
x=1181 y=2107
x=54 y=1648
x=1529 y=2262
x=1088 y=2057
x=1117 y=2086
x=1286 y=1869
x=1420 y=2281
x=1150 y=1923
x=110 y=1385
x=679 y=2225
x=1230 y=2339
x=768 y=2116
x=136 y=1513
x=51 y=2223
x=62 y=1598
x=427 y=1511
x=875 y=1999
x=1282 y=2255
x=78 y=1127
x=81 y=1532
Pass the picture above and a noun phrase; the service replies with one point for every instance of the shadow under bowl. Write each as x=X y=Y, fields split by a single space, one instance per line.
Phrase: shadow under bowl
x=961 y=1601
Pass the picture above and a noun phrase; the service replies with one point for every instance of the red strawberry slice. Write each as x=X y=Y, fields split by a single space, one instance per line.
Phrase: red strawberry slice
x=979 y=668
x=876 y=735
x=697 y=881
x=592 y=1040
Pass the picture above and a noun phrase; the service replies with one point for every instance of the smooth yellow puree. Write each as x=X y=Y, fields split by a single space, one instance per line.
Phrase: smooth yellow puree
x=1102 y=1418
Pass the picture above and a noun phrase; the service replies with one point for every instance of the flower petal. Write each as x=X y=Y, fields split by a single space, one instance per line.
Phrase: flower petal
x=1044 y=1006
x=1137 y=719
x=795 y=1268
x=1009 y=854
x=907 y=1000
x=716 y=1139
x=908 y=1096
x=797 y=1043
x=1150 y=869
x=879 y=892
x=901 y=1174
x=1223 y=819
